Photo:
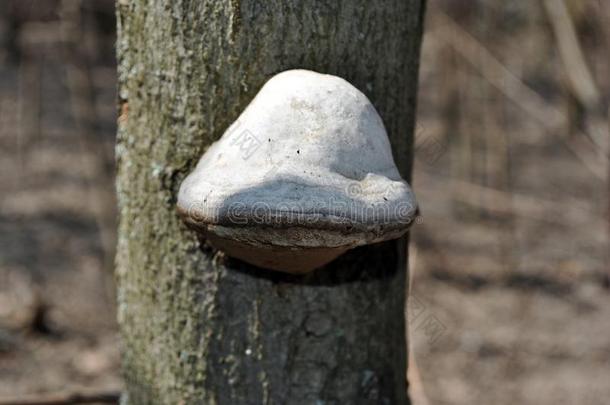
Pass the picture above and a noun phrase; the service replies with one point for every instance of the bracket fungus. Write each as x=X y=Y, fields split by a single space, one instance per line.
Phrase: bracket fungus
x=304 y=174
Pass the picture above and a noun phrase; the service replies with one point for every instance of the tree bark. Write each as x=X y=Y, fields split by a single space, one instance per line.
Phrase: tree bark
x=201 y=328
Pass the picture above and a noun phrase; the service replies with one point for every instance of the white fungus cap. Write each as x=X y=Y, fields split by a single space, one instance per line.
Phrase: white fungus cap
x=307 y=164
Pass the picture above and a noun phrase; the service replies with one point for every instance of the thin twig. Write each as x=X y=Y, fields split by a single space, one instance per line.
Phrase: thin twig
x=605 y=20
x=577 y=72
x=505 y=203
x=417 y=392
x=111 y=397
x=584 y=98
x=515 y=89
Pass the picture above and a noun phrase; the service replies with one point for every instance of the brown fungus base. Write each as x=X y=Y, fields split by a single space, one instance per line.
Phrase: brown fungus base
x=284 y=259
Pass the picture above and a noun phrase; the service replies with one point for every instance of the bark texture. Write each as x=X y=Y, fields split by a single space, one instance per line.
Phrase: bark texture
x=198 y=327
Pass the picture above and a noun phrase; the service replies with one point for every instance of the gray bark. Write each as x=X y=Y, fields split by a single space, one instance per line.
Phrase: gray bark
x=198 y=327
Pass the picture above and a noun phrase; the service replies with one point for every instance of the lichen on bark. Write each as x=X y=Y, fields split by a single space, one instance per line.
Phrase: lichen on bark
x=198 y=327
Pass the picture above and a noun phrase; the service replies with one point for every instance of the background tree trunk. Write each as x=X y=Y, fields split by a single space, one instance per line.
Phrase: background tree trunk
x=199 y=327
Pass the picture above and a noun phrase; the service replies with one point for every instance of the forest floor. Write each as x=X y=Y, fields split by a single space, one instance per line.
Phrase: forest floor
x=510 y=301
x=57 y=322
x=510 y=295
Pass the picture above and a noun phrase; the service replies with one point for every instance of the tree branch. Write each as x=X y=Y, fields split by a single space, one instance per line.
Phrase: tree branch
x=110 y=397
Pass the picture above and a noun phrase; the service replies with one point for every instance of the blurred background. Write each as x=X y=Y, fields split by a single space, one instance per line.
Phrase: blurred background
x=510 y=289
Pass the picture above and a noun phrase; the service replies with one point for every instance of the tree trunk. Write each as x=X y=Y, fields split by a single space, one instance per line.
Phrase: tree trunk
x=198 y=327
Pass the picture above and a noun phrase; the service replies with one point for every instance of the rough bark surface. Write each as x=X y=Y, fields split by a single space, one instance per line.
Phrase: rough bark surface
x=198 y=327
